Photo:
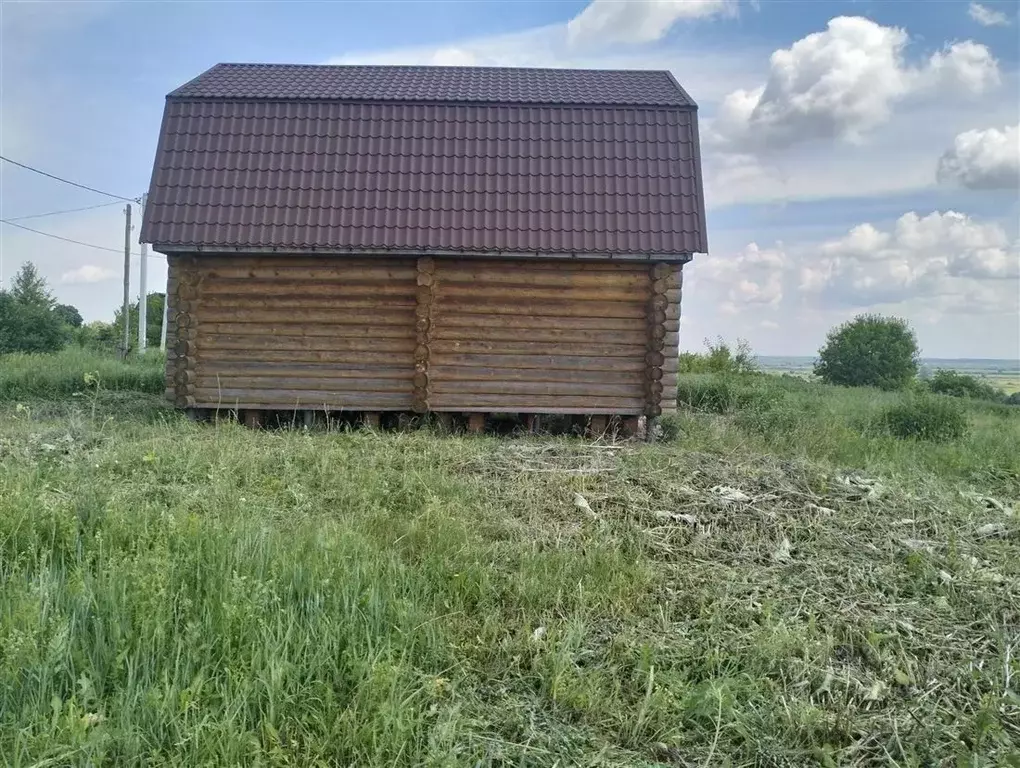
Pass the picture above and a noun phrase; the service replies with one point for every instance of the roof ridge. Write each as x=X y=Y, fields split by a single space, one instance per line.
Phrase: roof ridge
x=452 y=67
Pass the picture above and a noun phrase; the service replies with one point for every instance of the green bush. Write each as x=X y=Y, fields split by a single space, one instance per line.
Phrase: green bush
x=720 y=358
x=937 y=419
x=869 y=351
x=956 y=384
x=28 y=327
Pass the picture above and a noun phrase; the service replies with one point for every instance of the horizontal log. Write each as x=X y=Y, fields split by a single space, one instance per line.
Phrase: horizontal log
x=227 y=383
x=255 y=344
x=541 y=348
x=579 y=336
x=520 y=276
x=207 y=262
x=478 y=373
x=378 y=303
x=552 y=265
x=670 y=365
x=452 y=319
x=336 y=289
x=303 y=356
x=366 y=318
x=441 y=386
x=298 y=407
x=537 y=403
x=328 y=330
x=475 y=306
x=447 y=291
x=307 y=398
x=320 y=370
x=672 y=325
x=524 y=362
x=327 y=270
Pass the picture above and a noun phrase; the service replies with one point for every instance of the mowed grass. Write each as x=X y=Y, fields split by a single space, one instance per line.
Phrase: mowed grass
x=180 y=594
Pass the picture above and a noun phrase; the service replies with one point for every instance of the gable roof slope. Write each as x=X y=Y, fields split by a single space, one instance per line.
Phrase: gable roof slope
x=297 y=158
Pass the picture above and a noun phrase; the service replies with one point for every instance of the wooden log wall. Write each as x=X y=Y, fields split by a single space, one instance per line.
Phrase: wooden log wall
x=663 y=339
x=295 y=332
x=539 y=337
x=425 y=334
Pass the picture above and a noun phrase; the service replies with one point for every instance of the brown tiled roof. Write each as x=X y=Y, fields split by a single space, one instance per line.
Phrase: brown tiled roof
x=433 y=159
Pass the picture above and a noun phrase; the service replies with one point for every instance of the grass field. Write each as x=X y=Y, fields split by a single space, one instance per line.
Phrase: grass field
x=782 y=584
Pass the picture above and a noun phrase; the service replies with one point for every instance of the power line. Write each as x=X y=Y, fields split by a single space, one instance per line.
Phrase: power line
x=69 y=240
x=67 y=181
x=66 y=210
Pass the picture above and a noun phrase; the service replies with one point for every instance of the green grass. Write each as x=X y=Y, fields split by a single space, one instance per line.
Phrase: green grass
x=173 y=593
x=63 y=373
x=787 y=416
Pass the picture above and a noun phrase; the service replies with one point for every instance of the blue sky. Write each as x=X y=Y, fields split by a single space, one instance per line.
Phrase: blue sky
x=841 y=147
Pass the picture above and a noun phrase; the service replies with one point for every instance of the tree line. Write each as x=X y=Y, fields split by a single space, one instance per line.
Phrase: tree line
x=31 y=319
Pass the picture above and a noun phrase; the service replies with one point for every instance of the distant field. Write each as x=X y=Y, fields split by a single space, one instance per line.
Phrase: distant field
x=1002 y=374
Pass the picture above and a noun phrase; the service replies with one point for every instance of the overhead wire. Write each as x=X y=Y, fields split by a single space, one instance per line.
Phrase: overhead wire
x=75 y=242
x=72 y=183
x=66 y=210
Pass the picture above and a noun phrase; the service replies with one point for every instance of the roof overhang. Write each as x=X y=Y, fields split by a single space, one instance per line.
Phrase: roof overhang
x=226 y=250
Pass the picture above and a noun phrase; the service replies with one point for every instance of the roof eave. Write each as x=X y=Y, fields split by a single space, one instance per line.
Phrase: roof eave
x=241 y=250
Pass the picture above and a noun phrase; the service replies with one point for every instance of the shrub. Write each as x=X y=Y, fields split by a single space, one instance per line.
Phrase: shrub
x=720 y=358
x=28 y=327
x=869 y=351
x=925 y=418
x=955 y=384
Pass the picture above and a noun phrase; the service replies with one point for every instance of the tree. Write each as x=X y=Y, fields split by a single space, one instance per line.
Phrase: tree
x=29 y=287
x=28 y=327
x=68 y=315
x=869 y=351
x=154 y=314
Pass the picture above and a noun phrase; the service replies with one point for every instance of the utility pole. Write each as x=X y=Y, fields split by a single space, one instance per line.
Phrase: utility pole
x=127 y=278
x=143 y=316
x=162 y=332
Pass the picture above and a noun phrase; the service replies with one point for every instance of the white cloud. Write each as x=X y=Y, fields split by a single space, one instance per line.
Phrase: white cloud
x=638 y=21
x=88 y=273
x=987 y=17
x=751 y=277
x=939 y=255
x=988 y=159
x=842 y=83
x=967 y=67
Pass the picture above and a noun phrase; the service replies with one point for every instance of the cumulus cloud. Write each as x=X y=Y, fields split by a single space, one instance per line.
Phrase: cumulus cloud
x=988 y=159
x=941 y=254
x=87 y=273
x=987 y=17
x=638 y=21
x=842 y=83
x=751 y=277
